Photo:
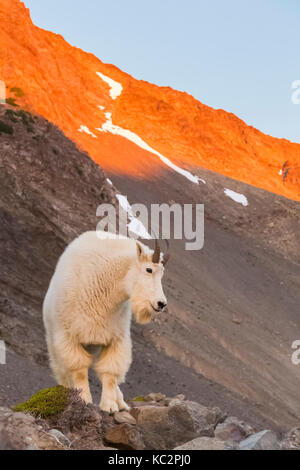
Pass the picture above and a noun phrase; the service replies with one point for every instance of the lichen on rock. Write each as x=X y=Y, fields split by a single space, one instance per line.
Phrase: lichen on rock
x=140 y=398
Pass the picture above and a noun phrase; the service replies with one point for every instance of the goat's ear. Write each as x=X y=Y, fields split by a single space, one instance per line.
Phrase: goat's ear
x=140 y=251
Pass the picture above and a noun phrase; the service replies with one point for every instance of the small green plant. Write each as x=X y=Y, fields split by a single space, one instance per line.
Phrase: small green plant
x=11 y=114
x=19 y=93
x=6 y=128
x=25 y=116
x=46 y=403
x=139 y=399
x=11 y=101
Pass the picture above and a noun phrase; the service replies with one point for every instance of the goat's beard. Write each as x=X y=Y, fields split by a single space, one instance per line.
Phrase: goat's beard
x=142 y=311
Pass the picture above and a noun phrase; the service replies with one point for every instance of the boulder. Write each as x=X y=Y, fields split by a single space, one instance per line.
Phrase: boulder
x=233 y=429
x=180 y=396
x=206 y=443
x=165 y=427
x=60 y=437
x=264 y=440
x=22 y=431
x=155 y=397
x=124 y=417
x=126 y=436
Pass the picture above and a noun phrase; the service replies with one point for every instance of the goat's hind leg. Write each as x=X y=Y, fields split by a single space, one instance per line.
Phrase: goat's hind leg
x=61 y=374
x=74 y=379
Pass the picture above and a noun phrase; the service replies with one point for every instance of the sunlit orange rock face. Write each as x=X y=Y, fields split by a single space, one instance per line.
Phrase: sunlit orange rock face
x=61 y=83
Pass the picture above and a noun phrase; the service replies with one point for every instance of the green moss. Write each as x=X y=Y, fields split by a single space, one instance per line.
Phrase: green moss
x=46 y=403
x=139 y=399
x=11 y=101
x=6 y=128
x=19 y=93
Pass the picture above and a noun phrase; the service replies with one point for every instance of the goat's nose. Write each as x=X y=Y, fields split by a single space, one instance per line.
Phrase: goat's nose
x=161 y=305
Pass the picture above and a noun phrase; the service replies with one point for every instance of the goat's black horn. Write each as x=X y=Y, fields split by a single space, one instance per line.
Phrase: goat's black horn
x=156 y=254
x=167 y=254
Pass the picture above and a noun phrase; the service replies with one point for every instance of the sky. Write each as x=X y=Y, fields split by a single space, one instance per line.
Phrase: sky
x=238 y=55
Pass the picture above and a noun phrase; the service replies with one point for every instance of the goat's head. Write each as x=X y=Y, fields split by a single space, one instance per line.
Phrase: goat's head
x=148 y=297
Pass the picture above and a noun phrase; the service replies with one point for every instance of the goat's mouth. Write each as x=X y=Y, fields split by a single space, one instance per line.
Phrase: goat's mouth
x=157 y=310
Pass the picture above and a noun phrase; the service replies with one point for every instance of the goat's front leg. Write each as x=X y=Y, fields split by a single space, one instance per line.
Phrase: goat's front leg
x=111 y=369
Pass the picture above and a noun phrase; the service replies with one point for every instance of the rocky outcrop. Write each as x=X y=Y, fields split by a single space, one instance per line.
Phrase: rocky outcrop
x=160 y=425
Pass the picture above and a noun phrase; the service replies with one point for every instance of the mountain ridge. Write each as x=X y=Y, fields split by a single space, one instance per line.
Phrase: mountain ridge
x=60 y=82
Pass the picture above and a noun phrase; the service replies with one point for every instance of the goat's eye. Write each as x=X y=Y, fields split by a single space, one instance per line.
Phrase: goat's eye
x=149 y=270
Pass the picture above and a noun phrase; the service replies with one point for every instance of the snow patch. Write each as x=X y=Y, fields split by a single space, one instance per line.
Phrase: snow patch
x=123 y=201
x=115 y=87
x=87 y=131
x=101 y=107
x=108 y=126
x=237 y=197
x=135 y=225
x=109 y=181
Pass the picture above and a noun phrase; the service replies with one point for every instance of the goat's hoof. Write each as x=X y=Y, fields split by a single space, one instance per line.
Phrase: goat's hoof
x=123 y=406
x=110 y=406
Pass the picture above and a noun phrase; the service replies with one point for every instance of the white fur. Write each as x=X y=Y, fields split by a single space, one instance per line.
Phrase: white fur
x=99 y=280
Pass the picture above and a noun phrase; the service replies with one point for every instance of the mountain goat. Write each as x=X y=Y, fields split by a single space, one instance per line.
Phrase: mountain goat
x=98 y=281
